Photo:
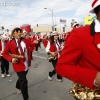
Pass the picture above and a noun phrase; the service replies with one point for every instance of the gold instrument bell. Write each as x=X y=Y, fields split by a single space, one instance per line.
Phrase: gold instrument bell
x=80 y=92
x=50 y=57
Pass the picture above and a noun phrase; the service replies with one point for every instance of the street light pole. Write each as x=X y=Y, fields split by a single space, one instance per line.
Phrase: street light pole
x=52 y=21
x=52 y=18
x=55 y=19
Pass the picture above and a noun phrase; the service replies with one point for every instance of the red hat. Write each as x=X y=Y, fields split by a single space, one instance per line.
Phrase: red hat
x=95 y=3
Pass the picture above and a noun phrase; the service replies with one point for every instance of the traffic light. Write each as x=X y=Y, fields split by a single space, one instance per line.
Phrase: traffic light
x=37 y=25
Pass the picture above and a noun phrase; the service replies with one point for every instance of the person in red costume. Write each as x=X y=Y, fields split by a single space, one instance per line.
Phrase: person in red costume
x=80 y=58
x=20 y=47
x=54 y=48
x=46 y=39
x=36 y=37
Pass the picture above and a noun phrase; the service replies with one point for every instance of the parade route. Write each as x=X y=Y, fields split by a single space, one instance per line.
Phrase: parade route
x=40 y=88
x=50 y=50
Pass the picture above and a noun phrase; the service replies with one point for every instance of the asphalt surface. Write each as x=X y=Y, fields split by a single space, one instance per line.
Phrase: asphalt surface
x=39 y=87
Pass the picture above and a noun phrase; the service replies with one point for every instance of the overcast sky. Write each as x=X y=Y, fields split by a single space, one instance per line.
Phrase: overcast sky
x=18 y=12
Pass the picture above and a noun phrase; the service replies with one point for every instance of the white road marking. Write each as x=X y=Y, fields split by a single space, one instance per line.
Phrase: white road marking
x=39 y=57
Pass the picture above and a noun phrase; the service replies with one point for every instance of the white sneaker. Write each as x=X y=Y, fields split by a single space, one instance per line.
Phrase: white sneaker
x=50 y=78
x=2 y=75
x=59 y=80
x=8 y=75
x=18 y=91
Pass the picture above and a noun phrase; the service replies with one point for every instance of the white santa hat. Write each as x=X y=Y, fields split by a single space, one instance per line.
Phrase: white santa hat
x=55 y=33
x=95 y=3
x=48 y=34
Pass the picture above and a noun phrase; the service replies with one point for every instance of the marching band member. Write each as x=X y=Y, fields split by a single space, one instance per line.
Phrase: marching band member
x=4 y=62
x=36 y=38
x=17 y=51
x=31 y=47
x=80 y=58
x=46 y=39
x=54 y=48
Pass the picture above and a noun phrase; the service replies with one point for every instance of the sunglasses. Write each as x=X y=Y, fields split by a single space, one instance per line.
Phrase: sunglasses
x=19 y=32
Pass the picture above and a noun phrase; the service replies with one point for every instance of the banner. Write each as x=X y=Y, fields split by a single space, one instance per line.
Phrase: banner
x=63 y=21
x=89 y=19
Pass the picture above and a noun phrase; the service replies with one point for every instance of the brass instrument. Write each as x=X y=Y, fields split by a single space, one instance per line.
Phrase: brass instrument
x=16 y=56
x=50 y=57
x=80 y=92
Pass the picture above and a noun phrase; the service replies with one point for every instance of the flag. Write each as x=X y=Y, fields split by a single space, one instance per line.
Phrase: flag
x=63 y=21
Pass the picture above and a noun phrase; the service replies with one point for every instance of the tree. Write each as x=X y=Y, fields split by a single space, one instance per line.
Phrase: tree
x=2 y=28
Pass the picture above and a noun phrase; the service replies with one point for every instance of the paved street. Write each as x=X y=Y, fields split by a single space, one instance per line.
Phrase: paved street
x=40 y=88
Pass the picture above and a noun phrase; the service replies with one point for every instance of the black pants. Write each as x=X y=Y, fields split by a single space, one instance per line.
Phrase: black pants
x=54 y=71
x=22 y=84
x=40 y=44
x=4 y=66
x=36 y=48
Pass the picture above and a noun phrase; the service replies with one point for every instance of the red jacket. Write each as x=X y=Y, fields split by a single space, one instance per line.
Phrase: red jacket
x=34 y=38
x=11 y=48
x=31 y=44
x=53 y=48
x=65 y=35
x=80 y=58
x=45 y=42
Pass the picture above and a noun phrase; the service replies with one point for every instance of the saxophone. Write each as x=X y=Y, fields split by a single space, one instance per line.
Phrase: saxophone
x=17 y=56
x=80 y=92
x=50 y=57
